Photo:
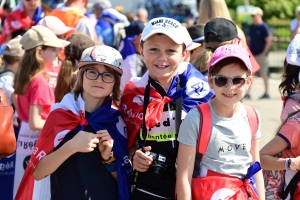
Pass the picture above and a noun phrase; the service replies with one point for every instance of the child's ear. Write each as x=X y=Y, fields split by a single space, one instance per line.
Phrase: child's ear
x=39 y=51
x=210 y=82
x=248 y=82
x=184 y=53
x=141 y=52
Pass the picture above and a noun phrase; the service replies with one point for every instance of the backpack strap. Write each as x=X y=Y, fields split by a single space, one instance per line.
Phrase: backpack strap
x=203 y=137
x=291 y=187
x=252 y=119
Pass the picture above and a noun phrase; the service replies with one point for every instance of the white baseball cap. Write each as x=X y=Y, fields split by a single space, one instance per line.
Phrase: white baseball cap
x=167 y=26
x=293 y=51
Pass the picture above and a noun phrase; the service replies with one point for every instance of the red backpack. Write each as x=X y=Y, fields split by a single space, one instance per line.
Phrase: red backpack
x=219 y=186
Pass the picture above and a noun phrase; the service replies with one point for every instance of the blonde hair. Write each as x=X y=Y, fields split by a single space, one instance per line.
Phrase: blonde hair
x=210 y=9
x=64 y=78
x=31 y=65
x=116 y=93
x=202 y=60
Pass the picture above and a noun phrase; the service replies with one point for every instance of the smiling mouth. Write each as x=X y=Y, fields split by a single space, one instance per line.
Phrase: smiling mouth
x=229 y=95
x=98 y=87
x=161 y=66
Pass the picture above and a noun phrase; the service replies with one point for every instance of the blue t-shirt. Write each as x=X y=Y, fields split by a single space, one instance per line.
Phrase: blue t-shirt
x=258 y=34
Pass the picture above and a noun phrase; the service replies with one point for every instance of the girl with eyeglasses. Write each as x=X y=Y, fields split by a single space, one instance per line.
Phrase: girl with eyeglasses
x=83 y=146
x=232 y=148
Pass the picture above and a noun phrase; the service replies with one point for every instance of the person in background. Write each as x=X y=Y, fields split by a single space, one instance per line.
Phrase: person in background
x=211 y=9
x=26 y=14
x=35 y=97
x=53 y=65
x=133 y=65
x=217 y=32
x=130 y=16
x=12 y=55
x=290 y=79
x=260 y=41
x=191 y=46
x=108 y=17
x=57 y=27
x=5 y=11
x=71 y=13
x=68 y=73
x=295 y=23
x=197 y=34
x=142 y=15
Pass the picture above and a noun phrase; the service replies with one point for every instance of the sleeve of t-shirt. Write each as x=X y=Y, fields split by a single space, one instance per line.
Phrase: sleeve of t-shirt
x=267 y=30
x=85 y=26
x=290 y=106
x=39 y=92
x=189 y=128
x=290 y=132
x=258 y=132
x=293 y=25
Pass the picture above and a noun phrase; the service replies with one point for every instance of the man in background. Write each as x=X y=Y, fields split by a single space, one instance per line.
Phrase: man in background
x=260 y=43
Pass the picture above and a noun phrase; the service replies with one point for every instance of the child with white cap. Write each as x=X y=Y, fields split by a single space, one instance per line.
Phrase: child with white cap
x=221 y=170
x=84 y=133
x=169 y=88
x=290 y=79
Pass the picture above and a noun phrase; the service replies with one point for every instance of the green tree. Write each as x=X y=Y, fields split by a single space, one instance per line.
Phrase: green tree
x=281 y=9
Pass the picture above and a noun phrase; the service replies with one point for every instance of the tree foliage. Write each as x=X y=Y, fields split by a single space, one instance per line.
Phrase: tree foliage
x=281 y=9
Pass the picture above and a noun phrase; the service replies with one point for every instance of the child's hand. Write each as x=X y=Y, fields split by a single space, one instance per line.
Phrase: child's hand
x=140 y=161
x=105 y=143
x=84 y=141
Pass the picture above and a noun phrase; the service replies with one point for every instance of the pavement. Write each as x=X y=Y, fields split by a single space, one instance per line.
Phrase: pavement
x=269 y=109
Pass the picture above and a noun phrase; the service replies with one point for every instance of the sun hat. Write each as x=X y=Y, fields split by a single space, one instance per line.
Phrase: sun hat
x=102 y=4
x=293 y=51
x=224 y=30
x=78 y=43
x=41 y=35
x=103 y=54
x=14 y=48
x=230 y=50
x=167 y=26
x=256 y=11
x=196 y=32
x=188 y=40
x=56 y=25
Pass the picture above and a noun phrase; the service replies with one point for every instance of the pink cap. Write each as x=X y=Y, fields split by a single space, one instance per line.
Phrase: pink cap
x=230 y=50
x=56 y=25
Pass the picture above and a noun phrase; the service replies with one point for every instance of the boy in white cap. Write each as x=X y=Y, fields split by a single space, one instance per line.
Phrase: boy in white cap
x=149 y=105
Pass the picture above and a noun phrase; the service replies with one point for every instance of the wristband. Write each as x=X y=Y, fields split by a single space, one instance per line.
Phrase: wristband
x=287 y=160
x=110 y=156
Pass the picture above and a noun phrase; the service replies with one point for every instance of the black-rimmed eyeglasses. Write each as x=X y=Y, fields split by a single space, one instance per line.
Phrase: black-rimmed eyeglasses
x=93 y=74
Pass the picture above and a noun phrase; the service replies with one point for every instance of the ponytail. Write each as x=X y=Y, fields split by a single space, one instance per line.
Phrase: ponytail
x=202 y=60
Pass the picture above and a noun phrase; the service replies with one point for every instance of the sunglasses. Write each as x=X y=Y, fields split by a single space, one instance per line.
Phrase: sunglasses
x=222 y=81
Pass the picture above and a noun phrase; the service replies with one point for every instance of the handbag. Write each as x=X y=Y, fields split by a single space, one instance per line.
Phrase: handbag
x=7 y=134
x=216 y=185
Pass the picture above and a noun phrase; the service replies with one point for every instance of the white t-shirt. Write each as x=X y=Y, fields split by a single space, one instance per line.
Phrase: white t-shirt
x=228 y=151
x=7 y=83
x=294 y=24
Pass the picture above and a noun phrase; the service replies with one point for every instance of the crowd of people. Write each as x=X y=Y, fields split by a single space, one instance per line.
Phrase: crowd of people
x=112 y=106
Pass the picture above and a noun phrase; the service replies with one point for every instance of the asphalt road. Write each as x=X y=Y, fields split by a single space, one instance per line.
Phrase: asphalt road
x=269 y=109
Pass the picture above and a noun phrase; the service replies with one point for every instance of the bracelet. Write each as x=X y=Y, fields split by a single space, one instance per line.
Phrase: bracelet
x=287 y=163
x=110 y=157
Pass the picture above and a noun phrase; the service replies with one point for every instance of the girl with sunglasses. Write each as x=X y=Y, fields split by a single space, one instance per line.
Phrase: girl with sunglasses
x=231 y=149
x=83 y=144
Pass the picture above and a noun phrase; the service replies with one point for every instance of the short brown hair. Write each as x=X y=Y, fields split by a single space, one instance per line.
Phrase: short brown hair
x=116 y=93
x=10 y=60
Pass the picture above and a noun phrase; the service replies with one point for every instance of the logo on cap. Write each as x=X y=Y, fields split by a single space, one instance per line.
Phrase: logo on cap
x=167 y=23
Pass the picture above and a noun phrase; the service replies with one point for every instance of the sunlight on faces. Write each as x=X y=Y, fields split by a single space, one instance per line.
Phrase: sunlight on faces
x=49 y=55
x=230 y=94
x=97 y=89
x=162 y=57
